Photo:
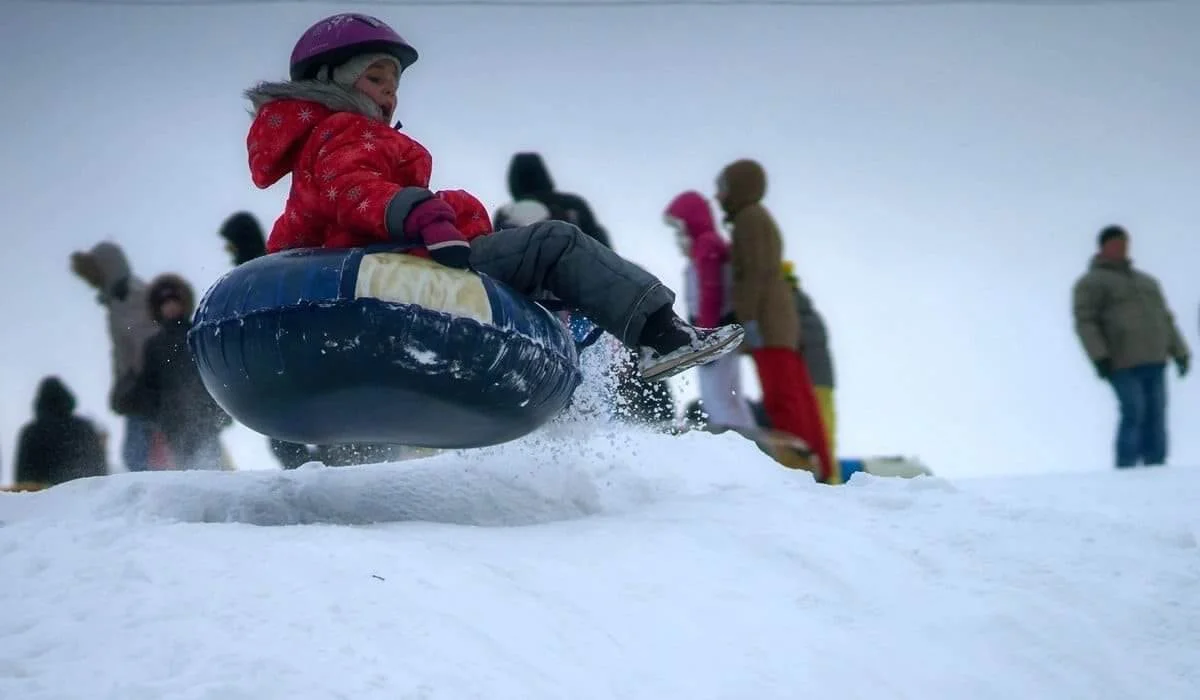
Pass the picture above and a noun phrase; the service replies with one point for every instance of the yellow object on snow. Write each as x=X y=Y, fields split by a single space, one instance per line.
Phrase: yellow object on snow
x=828 y=416
x=25 y=487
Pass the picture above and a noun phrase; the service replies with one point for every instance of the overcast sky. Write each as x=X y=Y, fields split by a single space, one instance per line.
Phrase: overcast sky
x=939 y=174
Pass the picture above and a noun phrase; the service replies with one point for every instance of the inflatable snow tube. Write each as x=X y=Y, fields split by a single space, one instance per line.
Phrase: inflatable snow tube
x=326 y=346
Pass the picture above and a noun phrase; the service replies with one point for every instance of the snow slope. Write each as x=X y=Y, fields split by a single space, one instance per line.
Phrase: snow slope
x=600 y=566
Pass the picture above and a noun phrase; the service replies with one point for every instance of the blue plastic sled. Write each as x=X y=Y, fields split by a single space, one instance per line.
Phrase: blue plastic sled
x=326 y=347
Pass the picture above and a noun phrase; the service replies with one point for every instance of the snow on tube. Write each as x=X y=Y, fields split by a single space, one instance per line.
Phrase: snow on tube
x=325 y=346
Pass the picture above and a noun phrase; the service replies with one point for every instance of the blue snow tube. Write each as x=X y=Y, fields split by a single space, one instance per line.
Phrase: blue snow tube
x=326 y=347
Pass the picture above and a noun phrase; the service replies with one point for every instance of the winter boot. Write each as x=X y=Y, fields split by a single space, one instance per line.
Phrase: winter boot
x=670 y=345
x=792 y=452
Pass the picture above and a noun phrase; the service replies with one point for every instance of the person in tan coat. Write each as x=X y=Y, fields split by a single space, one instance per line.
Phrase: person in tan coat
x=763 y=302
x=123 y=295
x=1128 y=332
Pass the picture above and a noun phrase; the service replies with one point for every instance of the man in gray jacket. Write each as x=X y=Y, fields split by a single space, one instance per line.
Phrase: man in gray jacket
x=1129 y=333
x=106 y=269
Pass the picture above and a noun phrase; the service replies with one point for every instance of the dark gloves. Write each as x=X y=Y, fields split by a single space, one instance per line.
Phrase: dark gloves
x=1103 y=367
x=456 y=255
x=416 y=213
x=1183 y=363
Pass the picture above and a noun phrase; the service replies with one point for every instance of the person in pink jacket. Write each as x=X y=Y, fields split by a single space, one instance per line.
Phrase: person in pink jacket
x=707 y=290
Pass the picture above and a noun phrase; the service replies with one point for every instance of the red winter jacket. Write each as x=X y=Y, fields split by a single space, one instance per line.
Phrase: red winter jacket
x=709 y=254
x=345 y=166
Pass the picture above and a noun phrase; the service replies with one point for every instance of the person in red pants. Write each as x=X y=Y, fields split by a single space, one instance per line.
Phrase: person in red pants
x=763 y=303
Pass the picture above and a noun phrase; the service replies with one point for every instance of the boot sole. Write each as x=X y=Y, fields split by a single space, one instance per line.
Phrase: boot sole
x=671 y=368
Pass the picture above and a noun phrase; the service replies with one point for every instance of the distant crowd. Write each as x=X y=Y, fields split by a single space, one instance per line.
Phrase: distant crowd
x=171 y=422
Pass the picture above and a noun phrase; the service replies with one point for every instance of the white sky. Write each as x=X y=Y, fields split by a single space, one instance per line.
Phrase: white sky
x=939 y=173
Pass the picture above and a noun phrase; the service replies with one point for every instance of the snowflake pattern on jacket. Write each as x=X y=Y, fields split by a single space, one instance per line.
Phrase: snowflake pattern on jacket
x=345 y=167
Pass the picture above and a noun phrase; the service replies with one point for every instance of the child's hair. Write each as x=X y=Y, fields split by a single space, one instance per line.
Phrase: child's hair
x=349 y=72
x=1110 y=232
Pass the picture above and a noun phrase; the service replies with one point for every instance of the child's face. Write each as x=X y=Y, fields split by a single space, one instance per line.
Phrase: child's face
x=682 y=239
x=379 y=82
x=171 y=309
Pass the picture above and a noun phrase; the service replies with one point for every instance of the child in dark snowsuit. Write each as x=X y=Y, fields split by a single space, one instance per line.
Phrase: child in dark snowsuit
x=356 y=181
x=169 y=389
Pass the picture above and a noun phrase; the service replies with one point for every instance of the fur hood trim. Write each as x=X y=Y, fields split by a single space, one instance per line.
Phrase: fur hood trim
x=331 y=95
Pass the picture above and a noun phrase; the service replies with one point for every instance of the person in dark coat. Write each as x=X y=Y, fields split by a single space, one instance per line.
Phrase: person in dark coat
x=535 y=199
x=244 y=237
x=169 y=390
x=58 y=446
x=245 y=240
x=529 y=179
x=1128 y=333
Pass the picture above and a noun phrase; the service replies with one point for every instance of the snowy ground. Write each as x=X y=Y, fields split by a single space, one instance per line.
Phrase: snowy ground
x=601 y=566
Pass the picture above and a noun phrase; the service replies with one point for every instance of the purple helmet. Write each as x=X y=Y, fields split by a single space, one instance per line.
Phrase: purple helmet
x=335 y=40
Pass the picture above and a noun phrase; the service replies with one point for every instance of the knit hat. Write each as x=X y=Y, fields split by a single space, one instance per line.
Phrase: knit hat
x=349 y=72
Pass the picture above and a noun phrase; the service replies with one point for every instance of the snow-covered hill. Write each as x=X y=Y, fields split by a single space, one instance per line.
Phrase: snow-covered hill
x=600 y=566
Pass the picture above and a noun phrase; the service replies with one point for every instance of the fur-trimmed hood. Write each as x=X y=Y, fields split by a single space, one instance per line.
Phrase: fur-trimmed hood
x=104 y=267
x=692 y=209
x=288 y=114
x=331 y=95
x=169 y=285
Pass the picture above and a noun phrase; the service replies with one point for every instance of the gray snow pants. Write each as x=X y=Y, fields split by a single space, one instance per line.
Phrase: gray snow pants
x=556 y=257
